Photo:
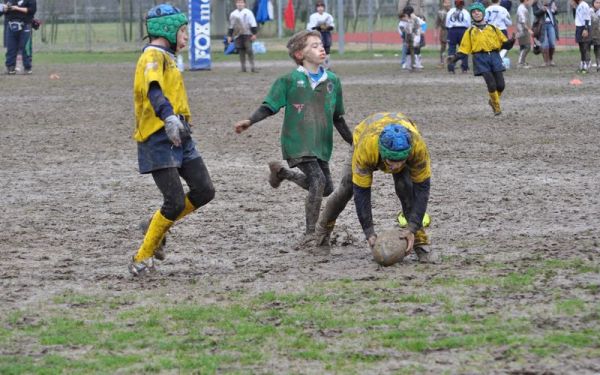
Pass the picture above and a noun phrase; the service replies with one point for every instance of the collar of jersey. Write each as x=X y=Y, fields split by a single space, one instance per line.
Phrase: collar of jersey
x=160 y=48
x=313 y=84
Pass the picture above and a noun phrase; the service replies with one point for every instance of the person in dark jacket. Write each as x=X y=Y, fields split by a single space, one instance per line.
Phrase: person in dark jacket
x=546 y=31
x=18 y=21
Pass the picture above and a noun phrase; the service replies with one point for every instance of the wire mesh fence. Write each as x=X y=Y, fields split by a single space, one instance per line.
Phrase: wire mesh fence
x=113 y=25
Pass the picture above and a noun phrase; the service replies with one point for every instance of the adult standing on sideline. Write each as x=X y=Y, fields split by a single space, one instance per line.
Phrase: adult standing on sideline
x=440 y=23
x=243 y=29
x=524 y=32
x=545 y=13
x=583 y=24
x=19 y=18
x=458 y=21
x=418 y=7
x=324 y=24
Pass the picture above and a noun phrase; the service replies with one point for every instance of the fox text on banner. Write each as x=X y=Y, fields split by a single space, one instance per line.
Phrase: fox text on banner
x=199 y=13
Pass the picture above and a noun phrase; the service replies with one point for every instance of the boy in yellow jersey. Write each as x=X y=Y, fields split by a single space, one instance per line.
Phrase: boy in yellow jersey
x=162 y=131
x=484 y=42
x=389 y=142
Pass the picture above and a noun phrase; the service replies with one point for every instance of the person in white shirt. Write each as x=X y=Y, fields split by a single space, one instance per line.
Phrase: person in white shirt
x=498 y=16
x=583 y=23
x=323 y=23
x=524 y=32
x=458 y=20
x=243 y=29
x=410 y=27
x=595 y=33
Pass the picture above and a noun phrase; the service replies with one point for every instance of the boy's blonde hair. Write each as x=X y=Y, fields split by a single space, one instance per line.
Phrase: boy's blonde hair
x=298 y=42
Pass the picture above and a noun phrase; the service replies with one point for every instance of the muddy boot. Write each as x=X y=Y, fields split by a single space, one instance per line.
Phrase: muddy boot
x=141 y=268
x=425 y=254
x=306 y=243
x=323 y=234
x=278 y=173
x=275 y=167
x=494 y=102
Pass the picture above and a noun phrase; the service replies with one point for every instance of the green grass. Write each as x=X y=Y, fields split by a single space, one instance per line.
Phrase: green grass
x=342 y=326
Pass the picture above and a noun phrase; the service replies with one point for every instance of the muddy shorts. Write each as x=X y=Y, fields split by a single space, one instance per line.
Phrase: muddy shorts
x=157 y=152
x=484 y=62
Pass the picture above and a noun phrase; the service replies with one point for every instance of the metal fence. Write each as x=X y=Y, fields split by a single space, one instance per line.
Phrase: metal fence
x=106 y=25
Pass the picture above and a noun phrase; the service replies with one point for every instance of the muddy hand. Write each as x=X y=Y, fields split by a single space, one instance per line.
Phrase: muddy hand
x=173 y=127
x=240 y=126
x=410 y=239
x=371 y=240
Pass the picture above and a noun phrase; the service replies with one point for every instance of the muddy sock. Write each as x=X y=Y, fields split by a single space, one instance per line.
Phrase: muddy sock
x=243 y=60
x=298 y=178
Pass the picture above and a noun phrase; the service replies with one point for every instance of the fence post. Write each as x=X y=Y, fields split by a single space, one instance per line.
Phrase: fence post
x=340 y=4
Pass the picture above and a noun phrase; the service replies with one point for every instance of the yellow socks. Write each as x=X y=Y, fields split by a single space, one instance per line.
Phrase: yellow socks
x=159 y=225
x=189 y=208
x=421 y=237
x=495 y=102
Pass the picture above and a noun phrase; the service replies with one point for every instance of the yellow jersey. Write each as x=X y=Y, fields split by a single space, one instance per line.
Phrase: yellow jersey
x=475 y=40
x=156 y=65
x=366 y=159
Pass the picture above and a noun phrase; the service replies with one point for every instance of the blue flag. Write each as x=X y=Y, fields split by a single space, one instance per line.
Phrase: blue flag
x=261 y=11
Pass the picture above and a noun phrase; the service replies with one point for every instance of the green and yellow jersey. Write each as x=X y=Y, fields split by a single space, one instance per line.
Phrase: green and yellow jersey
x=486 y=39
x=156 y=65
x=366 y=159
x=309 y=110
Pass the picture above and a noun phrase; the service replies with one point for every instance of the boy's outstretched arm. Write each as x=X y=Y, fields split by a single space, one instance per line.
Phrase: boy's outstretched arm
x=342 y=128
x=260 y=114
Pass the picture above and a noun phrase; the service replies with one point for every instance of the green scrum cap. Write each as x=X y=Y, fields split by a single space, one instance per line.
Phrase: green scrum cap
x=477 y=6
x=164 y=20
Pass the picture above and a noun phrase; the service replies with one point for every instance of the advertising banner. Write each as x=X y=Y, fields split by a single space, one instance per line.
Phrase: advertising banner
x=199 y=18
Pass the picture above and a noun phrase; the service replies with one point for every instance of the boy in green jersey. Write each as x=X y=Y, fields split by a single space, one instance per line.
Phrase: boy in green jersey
x=312 y=97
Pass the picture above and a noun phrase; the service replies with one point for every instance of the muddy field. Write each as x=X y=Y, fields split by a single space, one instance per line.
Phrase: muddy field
x=511 y=191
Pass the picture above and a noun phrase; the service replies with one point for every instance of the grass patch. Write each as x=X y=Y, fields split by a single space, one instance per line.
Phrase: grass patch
x=343 y=326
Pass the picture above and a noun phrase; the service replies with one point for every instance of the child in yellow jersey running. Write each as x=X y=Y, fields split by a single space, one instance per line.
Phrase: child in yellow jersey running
x=389 y=142
x=312 y=97
x=165 y=147
x=484 y=42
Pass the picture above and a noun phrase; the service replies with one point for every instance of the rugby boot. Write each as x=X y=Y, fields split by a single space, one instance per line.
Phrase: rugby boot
x=274 y=180
x=425 y=254
x=323 y=234
x=159 y=225
x=494 y=102
x=140 y=268
x=421 y=248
